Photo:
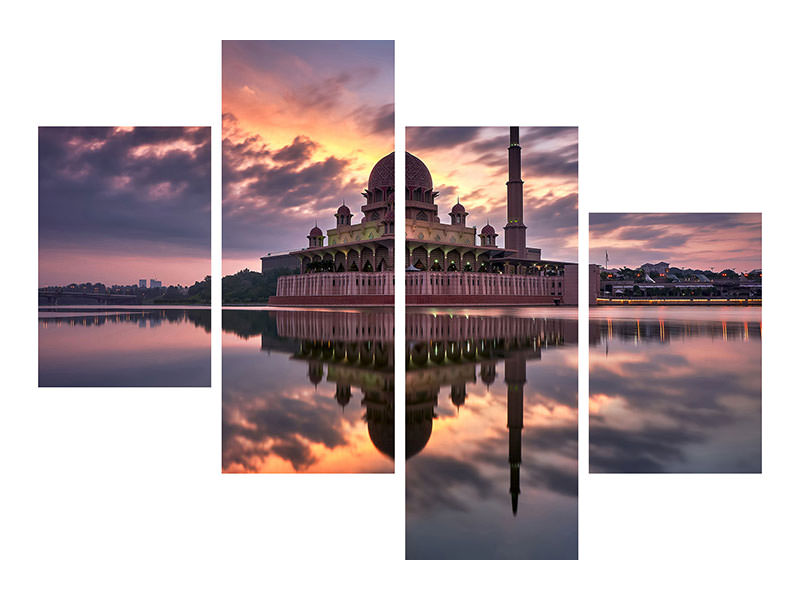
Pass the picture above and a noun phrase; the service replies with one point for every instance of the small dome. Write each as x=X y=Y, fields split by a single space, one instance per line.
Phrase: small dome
x=487 y=230
x=316 y=232
x=343 y=210
x=458 y=208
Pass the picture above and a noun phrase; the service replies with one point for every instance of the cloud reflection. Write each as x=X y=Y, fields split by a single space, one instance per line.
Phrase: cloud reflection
x=686 y=403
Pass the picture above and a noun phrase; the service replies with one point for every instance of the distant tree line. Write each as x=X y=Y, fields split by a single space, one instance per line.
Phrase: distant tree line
x=252 y=287
x=198 y=293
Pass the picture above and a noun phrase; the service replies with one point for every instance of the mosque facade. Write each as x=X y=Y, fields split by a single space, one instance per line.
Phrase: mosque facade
x=449 y=263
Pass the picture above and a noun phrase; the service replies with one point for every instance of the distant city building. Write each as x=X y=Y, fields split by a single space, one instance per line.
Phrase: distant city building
x=143 y=283
x=155 y=283
x=687 y=286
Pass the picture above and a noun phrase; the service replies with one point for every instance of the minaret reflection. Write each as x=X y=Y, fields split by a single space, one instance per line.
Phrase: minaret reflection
x=445 y=350
x=515 y=389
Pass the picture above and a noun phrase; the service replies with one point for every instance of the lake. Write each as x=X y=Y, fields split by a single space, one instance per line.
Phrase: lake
x=308 y=391
x=675 y=390
x=492 y=434
x=124 y=346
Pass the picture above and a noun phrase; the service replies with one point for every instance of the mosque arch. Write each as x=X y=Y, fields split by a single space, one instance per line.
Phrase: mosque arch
x=353 y=261
x=436 y=259
x=453 y=260
x=340 y=260
x=419 y=256
x=367 y=255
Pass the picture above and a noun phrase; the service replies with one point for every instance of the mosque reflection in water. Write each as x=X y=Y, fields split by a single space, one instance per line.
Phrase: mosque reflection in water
x=309 y=391
x=675 y=390
x=491 y=435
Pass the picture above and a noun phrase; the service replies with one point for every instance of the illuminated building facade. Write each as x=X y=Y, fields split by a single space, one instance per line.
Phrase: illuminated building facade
x=445 y=262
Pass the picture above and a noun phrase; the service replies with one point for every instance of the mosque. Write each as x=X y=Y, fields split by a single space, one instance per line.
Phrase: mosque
x=445 y=263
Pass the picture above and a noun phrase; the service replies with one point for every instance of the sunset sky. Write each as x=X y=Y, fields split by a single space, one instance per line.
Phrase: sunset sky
x=472 y=162
x=684 y=240
x=303 y=123
x=121 y=204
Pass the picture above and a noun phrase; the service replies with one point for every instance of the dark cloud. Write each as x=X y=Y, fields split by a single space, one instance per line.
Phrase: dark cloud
x=678 y=413
x=297 y=153
x=419 y=139
x=547 y=151
x=289 y=425
x=141 y=191
x=329 y=92
x=673 y=237
x=263 y=189
x=436 y=481
x=376 y=119
x=630 y=223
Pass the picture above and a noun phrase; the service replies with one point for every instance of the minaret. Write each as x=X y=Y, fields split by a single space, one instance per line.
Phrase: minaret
x=515 y=383
x=515 y=229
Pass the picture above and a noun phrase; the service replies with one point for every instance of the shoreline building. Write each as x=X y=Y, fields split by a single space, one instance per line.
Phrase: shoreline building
x=445 y=263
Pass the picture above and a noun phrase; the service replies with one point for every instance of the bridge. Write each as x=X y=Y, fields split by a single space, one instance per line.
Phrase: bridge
x=55 y=297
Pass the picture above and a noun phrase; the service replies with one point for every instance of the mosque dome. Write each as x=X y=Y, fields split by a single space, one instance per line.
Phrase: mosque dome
x=418 y=432
x=458 y=207
x=417 y=174
x=343 y=210
x=487 y=230
x=316 y=232
x=381 y=433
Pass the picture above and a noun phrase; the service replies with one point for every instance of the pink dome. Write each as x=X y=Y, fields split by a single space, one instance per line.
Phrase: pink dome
x=417 y=174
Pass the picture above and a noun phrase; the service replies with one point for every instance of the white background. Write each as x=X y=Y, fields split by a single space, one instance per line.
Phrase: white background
x=687 y=106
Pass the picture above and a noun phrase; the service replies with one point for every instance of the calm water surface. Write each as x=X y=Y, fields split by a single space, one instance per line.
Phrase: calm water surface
x=124 y=346
x=307 y=391
x=491 y=434
x=675 y=390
